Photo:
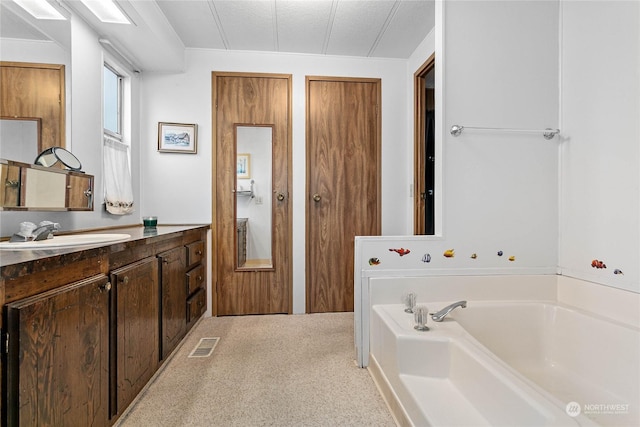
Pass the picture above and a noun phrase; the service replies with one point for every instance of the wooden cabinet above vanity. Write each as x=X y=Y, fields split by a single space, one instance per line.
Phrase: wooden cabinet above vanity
x=31 y=187
x=98 y=316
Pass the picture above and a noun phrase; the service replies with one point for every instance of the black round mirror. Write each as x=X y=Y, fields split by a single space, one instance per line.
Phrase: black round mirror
x=51 y=156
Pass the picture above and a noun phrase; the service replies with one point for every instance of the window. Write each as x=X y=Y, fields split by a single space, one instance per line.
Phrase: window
x=118 y=188
x=112 y=100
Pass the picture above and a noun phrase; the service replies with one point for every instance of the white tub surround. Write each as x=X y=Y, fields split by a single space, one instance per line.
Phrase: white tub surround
x=371 y=291
x=503 y=363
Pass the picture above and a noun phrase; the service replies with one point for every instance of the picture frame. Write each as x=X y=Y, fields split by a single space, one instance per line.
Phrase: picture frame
x=243 y=166
x=177 y=138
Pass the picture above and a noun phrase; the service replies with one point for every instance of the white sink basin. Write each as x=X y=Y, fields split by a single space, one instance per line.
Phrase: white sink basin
x=66 y=241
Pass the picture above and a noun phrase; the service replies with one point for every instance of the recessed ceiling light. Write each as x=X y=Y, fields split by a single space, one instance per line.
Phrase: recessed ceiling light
x=40 y=9
x=106 y=11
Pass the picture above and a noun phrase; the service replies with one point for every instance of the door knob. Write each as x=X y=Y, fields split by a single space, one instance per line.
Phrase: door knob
x=280 y=197
x=316 y=198
x=106 y=287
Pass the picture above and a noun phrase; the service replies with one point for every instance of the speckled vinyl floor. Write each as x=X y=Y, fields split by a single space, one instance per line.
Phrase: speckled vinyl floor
x=275 y=370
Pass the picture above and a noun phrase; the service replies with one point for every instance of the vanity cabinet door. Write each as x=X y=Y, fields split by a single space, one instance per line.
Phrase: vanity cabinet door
x=174 y=297
x=58 y=356
x=136 y=343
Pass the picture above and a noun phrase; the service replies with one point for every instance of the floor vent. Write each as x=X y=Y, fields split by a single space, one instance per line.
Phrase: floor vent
x=205 y=347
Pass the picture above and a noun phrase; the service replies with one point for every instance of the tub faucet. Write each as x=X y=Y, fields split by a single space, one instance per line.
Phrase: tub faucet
x=439 y=316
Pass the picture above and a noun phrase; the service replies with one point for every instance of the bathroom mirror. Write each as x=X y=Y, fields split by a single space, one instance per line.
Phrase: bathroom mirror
x=254 y=197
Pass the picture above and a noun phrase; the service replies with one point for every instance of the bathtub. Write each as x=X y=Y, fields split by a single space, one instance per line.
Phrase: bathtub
x=506 y=363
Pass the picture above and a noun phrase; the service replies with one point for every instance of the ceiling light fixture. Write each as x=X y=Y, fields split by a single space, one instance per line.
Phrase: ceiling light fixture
x=106 y=11
x=40 y=9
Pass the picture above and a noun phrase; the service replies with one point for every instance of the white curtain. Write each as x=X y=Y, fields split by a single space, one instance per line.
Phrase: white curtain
x=118 y=190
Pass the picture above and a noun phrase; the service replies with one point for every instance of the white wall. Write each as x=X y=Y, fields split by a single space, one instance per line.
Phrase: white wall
x=503 y=192
x=501 y=70
x=177 y=188
x=600 y=182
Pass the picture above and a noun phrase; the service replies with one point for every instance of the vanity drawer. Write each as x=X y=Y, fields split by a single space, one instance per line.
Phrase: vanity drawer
x=195 y=252
x=196 y=305
x=195 y=278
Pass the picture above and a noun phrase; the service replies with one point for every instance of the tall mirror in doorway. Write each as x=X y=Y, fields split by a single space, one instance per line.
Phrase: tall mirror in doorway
x=254 y=197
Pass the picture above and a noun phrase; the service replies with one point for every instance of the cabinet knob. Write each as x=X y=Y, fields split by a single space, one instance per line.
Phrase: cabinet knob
x=198 y=252
x=106 y=287
x=199 y=278
x=317 y=198
x=125 y=280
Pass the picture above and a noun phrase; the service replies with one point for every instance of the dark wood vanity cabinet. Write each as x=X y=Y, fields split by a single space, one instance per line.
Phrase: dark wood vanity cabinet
x=135 y=336
x=83 y=332
x=58 y=356
x=174 y=297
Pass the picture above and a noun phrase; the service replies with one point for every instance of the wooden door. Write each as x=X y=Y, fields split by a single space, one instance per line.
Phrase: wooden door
x=343 y=184
x=137 y=330
x=251 y=100
x=58 y=361
x=35 y=91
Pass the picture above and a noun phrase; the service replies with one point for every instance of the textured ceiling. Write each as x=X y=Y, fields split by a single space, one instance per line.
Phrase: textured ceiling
x=381 y=28
x=162 y=29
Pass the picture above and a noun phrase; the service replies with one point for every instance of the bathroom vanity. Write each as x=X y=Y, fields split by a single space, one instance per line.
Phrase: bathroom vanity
x=84 y=329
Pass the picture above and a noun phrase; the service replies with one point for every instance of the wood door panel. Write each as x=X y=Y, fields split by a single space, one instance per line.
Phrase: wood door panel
x=251 y=99
x=343 y=146
x=174 y=297
x=41 y=93
x=137 y=337
x=59 y=356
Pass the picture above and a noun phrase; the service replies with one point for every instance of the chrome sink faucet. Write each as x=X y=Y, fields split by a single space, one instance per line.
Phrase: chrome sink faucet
x=31 y=232
x=440 y=315
x=45 y=230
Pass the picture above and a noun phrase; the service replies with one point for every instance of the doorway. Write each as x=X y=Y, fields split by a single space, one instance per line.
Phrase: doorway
x=424 y=149
x=343 y=184
x=251 y=207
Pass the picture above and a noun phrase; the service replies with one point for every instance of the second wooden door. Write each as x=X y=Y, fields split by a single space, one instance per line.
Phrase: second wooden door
x=343 y=184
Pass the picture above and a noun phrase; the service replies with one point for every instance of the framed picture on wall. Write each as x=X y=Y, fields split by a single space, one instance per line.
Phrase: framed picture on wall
x=243 y=169
x=177 y=138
